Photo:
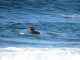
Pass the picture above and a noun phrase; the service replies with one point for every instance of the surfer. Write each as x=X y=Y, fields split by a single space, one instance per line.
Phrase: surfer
x=32 y=31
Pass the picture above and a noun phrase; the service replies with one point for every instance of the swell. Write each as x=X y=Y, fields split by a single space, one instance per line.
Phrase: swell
x=52 y=34
x=42 y=6
x=41 y=10
x=52 y=28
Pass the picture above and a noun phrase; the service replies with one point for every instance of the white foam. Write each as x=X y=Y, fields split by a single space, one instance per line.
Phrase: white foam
x=21 y=33
x=71 y=15
x=12 y=53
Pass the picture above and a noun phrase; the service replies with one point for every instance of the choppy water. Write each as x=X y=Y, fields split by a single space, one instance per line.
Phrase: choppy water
x=58 y=21
x=54 y=34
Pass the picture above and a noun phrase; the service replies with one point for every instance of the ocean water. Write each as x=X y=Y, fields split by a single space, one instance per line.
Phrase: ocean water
x=58 y=22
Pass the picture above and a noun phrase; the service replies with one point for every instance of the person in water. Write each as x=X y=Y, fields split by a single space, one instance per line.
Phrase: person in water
x=32 y=31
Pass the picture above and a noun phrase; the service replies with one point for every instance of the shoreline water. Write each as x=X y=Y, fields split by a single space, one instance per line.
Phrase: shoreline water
x=12 y=53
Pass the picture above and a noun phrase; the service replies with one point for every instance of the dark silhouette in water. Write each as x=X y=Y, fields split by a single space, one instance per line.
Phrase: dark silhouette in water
x=32 y=31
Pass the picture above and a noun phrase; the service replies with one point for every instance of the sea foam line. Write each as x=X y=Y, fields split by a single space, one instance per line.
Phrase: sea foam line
x=12 y=53
x=70 y=15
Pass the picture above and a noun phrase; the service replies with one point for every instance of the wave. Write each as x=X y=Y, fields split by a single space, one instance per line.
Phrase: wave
x=58 y=29
x=70 y=15
x=13 y=53
x=42 y=10
x=42 y=5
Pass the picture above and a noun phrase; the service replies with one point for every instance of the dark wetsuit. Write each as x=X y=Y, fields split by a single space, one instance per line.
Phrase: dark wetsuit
x=35 y=32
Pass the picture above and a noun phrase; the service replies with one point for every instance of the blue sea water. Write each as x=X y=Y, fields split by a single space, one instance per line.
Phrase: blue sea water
x=58 y=22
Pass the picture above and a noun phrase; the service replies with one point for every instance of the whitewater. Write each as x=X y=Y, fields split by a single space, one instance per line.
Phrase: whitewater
x=39 y=54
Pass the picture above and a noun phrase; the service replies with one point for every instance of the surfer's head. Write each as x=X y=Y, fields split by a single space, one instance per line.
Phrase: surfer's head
x=31 y=29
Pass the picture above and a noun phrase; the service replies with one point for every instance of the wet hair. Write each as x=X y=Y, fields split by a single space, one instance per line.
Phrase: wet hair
x=32 y=31
x=32 y=28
